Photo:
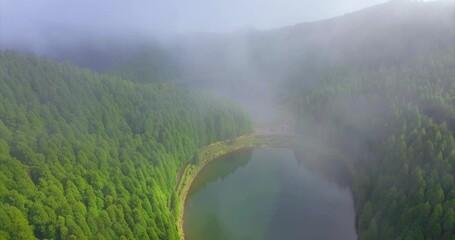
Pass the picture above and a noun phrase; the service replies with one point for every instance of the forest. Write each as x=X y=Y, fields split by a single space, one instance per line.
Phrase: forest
x=399 y=123
x=92 y=156
x=94 y=132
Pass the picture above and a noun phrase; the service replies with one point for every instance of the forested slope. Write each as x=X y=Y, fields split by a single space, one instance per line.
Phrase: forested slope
x=84 y=155
x=152 y=65
x=398 y=124
x=383 y=91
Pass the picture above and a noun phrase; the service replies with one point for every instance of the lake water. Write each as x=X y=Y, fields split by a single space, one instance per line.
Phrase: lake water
x=269 y=194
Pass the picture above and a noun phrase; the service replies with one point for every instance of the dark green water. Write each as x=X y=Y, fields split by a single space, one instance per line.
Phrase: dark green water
x=267 y=194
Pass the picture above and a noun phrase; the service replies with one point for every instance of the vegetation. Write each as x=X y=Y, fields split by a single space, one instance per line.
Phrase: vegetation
x=400 y=125
x=92 y=156
x=214 y=151
x=151 y=65
x=85 y=156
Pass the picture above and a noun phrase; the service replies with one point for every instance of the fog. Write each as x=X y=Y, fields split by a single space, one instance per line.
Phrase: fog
x=210 y=40
x=248 y=51
x=48 y=19
x=362 y=91
x=56 y=28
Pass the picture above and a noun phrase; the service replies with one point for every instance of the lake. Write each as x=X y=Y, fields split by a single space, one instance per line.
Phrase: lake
x=269 y=194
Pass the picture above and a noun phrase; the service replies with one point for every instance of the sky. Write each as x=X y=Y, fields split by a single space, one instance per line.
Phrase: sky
x=32 y=18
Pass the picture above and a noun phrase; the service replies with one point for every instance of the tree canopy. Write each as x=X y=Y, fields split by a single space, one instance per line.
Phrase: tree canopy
x=85 y=155
x=398 y=125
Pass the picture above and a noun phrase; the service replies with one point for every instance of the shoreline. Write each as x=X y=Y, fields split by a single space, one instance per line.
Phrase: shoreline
x=211 y=152
x=215 y=150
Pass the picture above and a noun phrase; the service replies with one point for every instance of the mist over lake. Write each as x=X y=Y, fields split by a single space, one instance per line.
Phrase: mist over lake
x=267 y=194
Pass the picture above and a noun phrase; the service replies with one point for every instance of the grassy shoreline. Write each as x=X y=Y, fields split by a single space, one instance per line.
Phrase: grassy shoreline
x=211 y=152
x=215 y=150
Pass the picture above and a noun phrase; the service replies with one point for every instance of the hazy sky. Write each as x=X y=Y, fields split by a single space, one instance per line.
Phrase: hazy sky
x=43 y=19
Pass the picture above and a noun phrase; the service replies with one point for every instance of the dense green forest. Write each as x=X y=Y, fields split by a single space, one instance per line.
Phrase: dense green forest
x=397 y=123
x=86 y=155
x=91 y=156
x=150 y=66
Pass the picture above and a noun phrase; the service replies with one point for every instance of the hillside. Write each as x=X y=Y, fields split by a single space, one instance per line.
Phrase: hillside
x=248 y=65
x=397 y=124
x=382 y=90
x=86 y=156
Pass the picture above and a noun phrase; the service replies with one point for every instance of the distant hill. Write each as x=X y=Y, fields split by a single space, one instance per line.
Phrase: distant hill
x=378 y=36
x=383 y=35
x=94 y=153
x=252 y=64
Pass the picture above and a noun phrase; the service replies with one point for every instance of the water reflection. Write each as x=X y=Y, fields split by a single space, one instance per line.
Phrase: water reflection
x=268 y=194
